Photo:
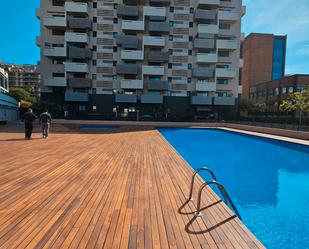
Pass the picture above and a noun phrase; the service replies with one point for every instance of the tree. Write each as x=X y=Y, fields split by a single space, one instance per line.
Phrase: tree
x=245 y=105
x=297 y=102
x=20 y=94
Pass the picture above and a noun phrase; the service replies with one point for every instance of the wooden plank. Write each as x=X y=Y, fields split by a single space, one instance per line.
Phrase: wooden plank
x=121 y=189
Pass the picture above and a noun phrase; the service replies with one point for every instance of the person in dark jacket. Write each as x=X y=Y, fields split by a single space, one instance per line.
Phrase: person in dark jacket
x=45 y=120
x=28 y=118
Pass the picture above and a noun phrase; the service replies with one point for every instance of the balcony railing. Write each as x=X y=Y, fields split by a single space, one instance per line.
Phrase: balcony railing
x=151 y=99
x=226 y=101
x=76 y=37
x=133 y=25
x=203 y=73
x=153 y=70
x=201 y=100
x=76 y=7
x=54 y=21
x=132 y=84
x=208 y=29
x=55 y=81
x=207 y=58
x=132 y=55
x=126 y=98
x=155 y=41
x=76 y=67
x=55 y=51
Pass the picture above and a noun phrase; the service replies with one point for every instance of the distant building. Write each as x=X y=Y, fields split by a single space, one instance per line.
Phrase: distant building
x=4 y=80
x=140 y=57
x=264 y=60
x=24 y=76
x=272 y=93
x=8 y=105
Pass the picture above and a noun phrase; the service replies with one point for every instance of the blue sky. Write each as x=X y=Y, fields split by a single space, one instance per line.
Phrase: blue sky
x=282 y=17
x=17 y=35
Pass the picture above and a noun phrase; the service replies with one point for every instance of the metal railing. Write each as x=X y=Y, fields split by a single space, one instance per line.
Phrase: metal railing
x=214 y=181
x=223 y=192
x=193 y=179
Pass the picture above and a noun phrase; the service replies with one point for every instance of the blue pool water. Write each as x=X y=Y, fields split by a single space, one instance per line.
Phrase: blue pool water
x=267 y=179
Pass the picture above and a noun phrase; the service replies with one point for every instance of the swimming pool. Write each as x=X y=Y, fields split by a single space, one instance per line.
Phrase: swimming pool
x=267 y=179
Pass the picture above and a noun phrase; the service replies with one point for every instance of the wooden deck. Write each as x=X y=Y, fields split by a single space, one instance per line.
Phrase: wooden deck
x=126 y=189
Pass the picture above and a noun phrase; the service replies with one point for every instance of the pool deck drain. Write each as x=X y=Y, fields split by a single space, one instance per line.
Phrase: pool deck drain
x=123 y=189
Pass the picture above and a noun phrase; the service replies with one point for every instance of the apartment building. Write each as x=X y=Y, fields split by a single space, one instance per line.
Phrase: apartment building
x=272 y=93
x=24 y=76
x=4 y=80
x=118 y=58
x=264 y=58
x=8 y=105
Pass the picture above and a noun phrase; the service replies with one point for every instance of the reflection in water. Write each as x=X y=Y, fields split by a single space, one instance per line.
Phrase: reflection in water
x=268 y=181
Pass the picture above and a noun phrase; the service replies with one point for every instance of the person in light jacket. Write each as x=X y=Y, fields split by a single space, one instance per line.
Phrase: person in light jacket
x=45 y=120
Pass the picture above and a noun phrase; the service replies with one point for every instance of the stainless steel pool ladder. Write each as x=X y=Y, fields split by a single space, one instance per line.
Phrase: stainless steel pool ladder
x=214 y=181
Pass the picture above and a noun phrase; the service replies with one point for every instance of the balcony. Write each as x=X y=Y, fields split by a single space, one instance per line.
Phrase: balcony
x=133 y=25
x=203 y=73
x=157 y=85
x=55 y=81
x=227 y=44
x=132 y=84
x=207 y=29
x=76 y=97
x=75 y=67
x=38 y=13
x=204 y=86
x=154 y=41
x=226 y=101
x=158 y=57
x=127 y=41
x=201 y=100
x=225 y=73
x=159 y=27
x=79 y=53
x=76 y=37
x=204 y=43
x=127 y=68
x=153 y=70
x=208 y=2
x=55 y=52
x=206 y=58
x=127 y=11
x=151 y=99
x=243 y=10
x=79 y=82
x=132 y=55
x=229 y=16
x=202 y=15
x=54 y=21
x=38 y=41
x=155 y=11
x=76 y=7
x=79 y=23
x=126 y=98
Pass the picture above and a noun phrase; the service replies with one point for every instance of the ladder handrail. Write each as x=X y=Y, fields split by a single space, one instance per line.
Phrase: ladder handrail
x=193 y=179
x=223 y=192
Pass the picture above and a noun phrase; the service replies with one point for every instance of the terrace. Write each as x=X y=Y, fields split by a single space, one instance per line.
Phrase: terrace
x=124 y=188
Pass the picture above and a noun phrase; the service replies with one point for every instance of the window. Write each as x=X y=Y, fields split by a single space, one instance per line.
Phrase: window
x=60 y=75
x=94 y=34
x=225 y=26
x=170 y=37
x=170 y=65
x=171 y=9
x=94 y=76
x=58 y=32
x=94 y=107
x=191 y=24
x=171 y=23
x=189 y=52
x=58 y=3
x=189 y=66
x=82 y=108
x=94 y=62
x=95 y=19
x=278 y=57
x=115 y=34
x=94 y=91
x=223 y=54
x=94 y=5
x=222 y=81
x=283 y=90
x=191 y=10
x=170 y=51
x=94 y=48
x=115 y=20
x=189 y=80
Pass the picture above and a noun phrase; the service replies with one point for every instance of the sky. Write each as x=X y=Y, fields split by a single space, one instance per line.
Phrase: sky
x=281 y=17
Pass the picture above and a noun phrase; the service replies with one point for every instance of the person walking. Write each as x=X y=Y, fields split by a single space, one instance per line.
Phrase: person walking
x=28 y=118
x=45 y=120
